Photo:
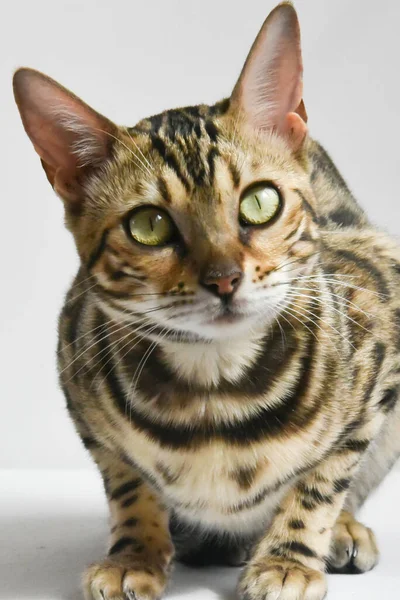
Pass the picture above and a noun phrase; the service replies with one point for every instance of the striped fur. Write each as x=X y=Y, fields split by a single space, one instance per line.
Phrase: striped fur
x=224 y=429
x=221 y=439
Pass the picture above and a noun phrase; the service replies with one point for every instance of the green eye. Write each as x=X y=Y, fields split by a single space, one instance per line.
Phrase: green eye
x=259 y=205
x=151 y=226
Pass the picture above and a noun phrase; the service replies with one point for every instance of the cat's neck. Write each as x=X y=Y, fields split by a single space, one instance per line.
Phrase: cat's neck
x=207 y=363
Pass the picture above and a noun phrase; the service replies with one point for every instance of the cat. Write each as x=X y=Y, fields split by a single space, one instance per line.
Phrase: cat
x=230 y=348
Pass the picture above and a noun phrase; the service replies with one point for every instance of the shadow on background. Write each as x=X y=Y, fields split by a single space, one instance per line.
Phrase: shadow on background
x=42 y=557
x=48 y=536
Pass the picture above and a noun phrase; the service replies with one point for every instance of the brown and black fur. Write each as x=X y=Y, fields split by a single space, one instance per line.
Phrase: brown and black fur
x=346 y=381
x=255 y=449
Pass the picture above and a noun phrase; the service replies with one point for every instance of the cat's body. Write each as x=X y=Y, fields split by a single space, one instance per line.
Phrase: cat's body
x=232 y=359
x=221 y=479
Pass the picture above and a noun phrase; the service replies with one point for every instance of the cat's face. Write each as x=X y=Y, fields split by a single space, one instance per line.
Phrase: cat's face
x=208 y=241
x=196 y=221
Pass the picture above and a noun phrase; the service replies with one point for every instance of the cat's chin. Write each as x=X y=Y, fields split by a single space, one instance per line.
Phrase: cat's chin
x=220 y=323
x=222 y=327
x=227 y=318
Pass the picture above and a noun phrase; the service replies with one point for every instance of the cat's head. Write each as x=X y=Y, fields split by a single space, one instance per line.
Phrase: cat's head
x=198 y=219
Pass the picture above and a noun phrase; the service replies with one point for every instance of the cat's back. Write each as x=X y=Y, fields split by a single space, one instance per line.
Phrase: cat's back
x=336 y=205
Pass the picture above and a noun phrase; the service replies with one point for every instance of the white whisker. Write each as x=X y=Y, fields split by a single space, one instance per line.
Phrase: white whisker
x=321 y=321
x=316 y=299
x=143 y=156
x=139 y=163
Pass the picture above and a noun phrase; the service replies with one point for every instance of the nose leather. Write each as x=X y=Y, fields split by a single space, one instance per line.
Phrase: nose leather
x=222 y=284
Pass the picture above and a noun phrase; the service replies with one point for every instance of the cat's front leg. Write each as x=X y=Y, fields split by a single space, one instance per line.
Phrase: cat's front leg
x=289 y=563
x=140 y=551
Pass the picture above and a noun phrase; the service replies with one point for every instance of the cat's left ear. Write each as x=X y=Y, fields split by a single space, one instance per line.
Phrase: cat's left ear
x=269 y=91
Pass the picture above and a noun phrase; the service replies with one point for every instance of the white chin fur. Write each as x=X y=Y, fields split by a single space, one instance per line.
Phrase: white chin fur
x=219 y=350
x=209 y=362
x=253 y=314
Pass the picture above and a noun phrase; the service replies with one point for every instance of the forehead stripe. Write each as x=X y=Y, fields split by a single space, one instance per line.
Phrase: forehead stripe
x=164 y=191
x=170 y=160
x=211 y=156
x=235 y=173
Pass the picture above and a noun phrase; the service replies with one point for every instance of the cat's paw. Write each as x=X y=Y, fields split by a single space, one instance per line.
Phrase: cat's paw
x=281 y=579
x=120 y=580
x=353 y=546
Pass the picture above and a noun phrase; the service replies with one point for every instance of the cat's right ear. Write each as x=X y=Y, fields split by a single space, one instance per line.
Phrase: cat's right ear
x=268 y=94
x=69 y=136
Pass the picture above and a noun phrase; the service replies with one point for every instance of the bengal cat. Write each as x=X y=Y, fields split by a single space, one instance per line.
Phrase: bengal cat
x=229 y=349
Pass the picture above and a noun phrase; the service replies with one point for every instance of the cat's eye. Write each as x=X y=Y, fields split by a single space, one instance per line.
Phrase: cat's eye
x=259 y=205
x=151 y=226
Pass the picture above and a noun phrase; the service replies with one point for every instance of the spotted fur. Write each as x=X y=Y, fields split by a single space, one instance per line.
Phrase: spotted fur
x=228 y=440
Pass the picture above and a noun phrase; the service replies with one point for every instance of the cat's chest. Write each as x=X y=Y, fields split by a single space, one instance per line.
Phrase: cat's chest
x=223 y=484
x=221 y=488
x=225 y=457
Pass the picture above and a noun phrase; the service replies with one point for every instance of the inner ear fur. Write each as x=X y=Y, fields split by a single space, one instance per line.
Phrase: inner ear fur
x=69 y=136
x=268 y=93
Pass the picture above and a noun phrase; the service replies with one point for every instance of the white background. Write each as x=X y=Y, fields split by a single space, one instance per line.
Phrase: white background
x=130 y=59
x=62 y=527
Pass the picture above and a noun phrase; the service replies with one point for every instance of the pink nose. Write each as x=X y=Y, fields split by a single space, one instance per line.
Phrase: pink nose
x=224 y=285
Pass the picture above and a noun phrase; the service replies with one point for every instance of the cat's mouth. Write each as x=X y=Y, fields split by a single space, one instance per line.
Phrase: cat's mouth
x=227 y=318
x=227 y=314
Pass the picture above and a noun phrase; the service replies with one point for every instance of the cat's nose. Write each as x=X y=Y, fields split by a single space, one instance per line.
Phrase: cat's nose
x=223 y=285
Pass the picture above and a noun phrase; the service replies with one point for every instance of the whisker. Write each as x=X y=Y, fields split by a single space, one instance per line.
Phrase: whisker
x=325 y=322
x=295 y=281
x=120 y=327
x=281 y=266
x=91 y=345
x=80 y=294
x=139 y=163
x=334 y=281
x=121 y=358
x=114 y=344
x=289 y=312
x=321 y=301
x=338 y=297
x=141 y=366
x=348 y=285
x=124 y=312
x=151 y=167
x=283 y=335
x=333 y=275
x=351 y=304
x=83 y=281
x=105 y=323
x=287 y=321
x=110 y=349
